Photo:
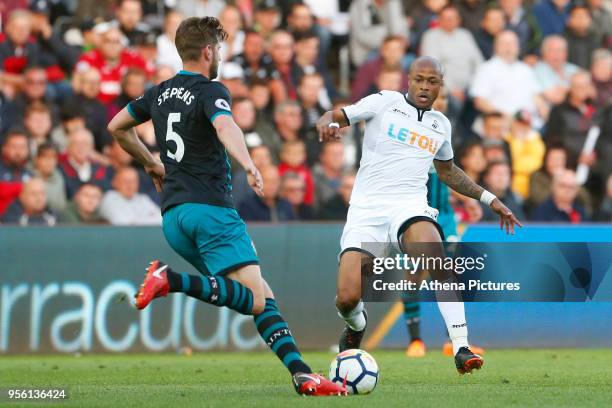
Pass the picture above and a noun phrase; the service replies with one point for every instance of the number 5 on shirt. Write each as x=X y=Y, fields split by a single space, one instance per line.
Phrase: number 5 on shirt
x=175 y=117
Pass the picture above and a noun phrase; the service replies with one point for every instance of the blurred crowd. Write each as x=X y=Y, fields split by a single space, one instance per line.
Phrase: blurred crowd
x=528 y=89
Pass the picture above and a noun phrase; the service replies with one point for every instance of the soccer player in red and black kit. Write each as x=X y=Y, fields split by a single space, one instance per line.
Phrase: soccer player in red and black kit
x=195 y=130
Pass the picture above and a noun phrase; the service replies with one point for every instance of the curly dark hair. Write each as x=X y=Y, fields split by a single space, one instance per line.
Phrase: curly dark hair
x=196 y=33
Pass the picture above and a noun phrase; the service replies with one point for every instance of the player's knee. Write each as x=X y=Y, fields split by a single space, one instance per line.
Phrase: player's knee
x=259 y=303
x=347 y=300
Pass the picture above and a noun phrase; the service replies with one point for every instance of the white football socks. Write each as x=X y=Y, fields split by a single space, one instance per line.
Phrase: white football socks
x=454 y=317
x=355 y=318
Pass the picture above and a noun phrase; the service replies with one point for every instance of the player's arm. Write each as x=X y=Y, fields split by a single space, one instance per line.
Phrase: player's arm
x=327 y=132
x=330 y=123
x=451 y=175
x=233 y=139
x=122 y=129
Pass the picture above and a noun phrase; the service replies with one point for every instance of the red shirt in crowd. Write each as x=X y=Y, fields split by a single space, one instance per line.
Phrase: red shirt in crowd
x=110 y=86
x=304 y=172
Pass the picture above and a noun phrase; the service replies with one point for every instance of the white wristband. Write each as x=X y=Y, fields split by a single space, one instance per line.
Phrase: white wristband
x=334 y=125
x=487 y=197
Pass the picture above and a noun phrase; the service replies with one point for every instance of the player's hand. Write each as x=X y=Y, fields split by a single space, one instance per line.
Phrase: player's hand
x=327 y=129
x=506 y=217
x=157 y=173
x=255 y=180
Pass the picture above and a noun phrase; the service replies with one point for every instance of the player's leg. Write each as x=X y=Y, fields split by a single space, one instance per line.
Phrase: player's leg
x=413 y=236
x=192 y=230
x=412 y=318
x=348 y=296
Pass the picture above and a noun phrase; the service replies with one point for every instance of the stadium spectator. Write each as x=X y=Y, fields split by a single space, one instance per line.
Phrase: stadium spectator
x=336 y=208
x=520 y=20
x=166 y=50
x=111 y=60
x=45 y=168
x=601 y=75
x=293 y=159
x=267 y=18
x=605 y=210
x=472 y=13
x=232 y=23
x=552 y=15
x=200 y=8
x=38 y=123
x=72 y=118
x=17 y=51
x=53 y=53
x=281 y=51
x=288 y=124
x=76 y=165
x=570 y=121
x=133 y=85
x=527 y=152
x=472 y=160
x=129 y=20
x=332 y=18
x=163 y=73
x=455 y=48
x=87 y=88
x=309 y=90
x=561 y=206
x=602 y=168
x=259 y=93
x=494 y=86
x=555 y=159
x=301 y=20
x=496 y=150
x=328 y=172
x=307 y=61
x=553 y=71
x=232 y=76
x=84 y=208
x=258 y=67
x=392 y=52
x=271 y=207
x=31 y=208
x=34 y=90
x=582 y=39
x=293 y=190
x=13 y=167
x=389 y=81
x=124 y=205
x=241 y=190
x=371 y=22
x=245 y=116
x=423 y=15
x=493 y=23
x=497 y=179
x=495 y=127
x=602 y=20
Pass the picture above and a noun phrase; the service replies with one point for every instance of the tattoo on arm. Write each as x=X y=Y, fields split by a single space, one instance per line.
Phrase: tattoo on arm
x=456 y=179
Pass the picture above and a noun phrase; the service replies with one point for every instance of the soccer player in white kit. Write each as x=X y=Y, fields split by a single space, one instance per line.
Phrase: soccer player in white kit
x=403 y=137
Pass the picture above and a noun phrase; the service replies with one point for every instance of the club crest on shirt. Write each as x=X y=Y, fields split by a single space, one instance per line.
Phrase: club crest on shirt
x=435 y=124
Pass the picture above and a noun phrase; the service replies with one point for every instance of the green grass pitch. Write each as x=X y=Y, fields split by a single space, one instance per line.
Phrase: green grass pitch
x=516 y=378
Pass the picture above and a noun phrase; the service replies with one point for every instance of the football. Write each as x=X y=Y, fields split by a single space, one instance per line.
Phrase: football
x=358 y=367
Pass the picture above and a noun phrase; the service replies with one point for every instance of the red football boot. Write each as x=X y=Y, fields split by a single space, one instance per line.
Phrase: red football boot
x=316 y=385
x=155 y=284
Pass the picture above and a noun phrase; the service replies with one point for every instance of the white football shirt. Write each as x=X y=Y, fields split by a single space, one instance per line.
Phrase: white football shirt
x=399 y=146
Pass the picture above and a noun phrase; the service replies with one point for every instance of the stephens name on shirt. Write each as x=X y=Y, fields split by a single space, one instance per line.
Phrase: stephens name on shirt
x=179 y=93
